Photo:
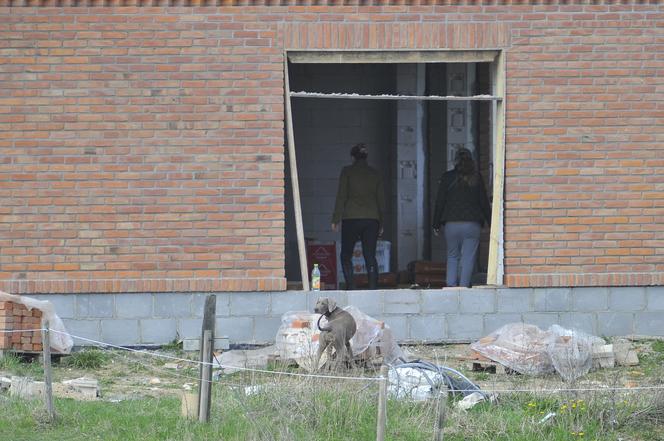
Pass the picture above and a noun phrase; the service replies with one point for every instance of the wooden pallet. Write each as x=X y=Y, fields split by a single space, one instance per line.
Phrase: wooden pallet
x=32 y=356
x=479 y=363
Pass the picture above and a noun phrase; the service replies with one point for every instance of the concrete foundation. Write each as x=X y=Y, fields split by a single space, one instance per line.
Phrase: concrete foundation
x=432 y=316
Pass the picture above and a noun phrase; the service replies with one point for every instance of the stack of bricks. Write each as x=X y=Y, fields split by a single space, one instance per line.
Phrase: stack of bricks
x=16 y=317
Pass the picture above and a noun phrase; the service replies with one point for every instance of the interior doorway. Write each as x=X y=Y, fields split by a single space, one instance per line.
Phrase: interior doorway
x=404 y=113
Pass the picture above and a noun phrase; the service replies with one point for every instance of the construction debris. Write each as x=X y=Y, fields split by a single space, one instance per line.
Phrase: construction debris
x=528 y=350
x=86 y=388
x=470 y=401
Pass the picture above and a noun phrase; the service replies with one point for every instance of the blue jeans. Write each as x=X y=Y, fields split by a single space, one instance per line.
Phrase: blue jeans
x=462 y=239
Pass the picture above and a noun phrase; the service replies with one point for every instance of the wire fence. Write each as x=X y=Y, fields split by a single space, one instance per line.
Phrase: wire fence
x=281 y=402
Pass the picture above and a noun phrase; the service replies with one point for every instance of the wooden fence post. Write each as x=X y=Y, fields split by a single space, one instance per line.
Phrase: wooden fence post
x=382 y=404
x=46 y=354
x=207 y=348
x=440 y=421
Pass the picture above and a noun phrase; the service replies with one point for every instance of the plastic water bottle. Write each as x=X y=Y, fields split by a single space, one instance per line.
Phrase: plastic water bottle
x=315 y=278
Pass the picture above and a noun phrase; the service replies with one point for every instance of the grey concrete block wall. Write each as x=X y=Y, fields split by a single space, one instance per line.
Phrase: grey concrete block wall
x=442 y=315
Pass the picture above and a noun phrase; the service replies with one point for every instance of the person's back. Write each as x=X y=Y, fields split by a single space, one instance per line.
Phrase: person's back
x=359 y=207
x=361 y=197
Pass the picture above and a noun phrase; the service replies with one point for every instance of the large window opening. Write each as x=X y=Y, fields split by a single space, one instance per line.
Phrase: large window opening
x=413 y=116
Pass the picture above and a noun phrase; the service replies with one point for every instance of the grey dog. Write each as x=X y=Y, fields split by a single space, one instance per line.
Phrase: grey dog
x=340 y=329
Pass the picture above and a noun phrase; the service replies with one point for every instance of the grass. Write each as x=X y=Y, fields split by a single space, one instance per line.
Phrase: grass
x=297 y=408
x=86 y=359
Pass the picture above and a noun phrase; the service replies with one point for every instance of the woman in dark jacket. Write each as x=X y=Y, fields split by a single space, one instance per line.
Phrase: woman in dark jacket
x=462 y=207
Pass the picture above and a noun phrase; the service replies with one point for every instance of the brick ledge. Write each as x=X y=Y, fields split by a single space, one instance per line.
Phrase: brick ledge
x=141 y=285
x=583 y=279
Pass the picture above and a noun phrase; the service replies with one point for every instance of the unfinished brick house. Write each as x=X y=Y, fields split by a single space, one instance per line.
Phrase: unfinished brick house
x=151 y=146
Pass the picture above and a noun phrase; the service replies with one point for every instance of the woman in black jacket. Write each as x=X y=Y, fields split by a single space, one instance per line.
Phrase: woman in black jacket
x=462 y=207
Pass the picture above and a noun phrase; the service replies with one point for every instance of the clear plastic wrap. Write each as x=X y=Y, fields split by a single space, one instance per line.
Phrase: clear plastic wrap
x=528 y=350
x=297 y=338
x=60 y=340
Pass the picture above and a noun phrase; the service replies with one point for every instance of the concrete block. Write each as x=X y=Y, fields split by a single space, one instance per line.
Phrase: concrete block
x=172 y=305
x=27 y=389
x=265 y=329
x=627 y=299
x=611 y=324
x=189 y=328
x=238 y=329
x=402 y=296
x=494 y=321
x=625 y=355
x=158 y=331
x=401 y=308
x=194 y=344
x=541 y=319
x=440 y=301
x=557 y=300
x=94 y=306
x=655 y=298
x=649 y=323
x=223 y=306
x=477 y=300
x=427 y=328
x=89 y=329
x=250 y=303
x=65 y=305
x=581 y=321
x=537 y=300
x=464 y=327
x=133 y=306
x=120 y=332
x=398 y=326
x=369 y=302
x=283 y=302
x=513 y=300
x=590 y=299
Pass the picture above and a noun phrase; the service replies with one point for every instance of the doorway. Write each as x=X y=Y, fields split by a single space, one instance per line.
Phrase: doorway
x=403 y=112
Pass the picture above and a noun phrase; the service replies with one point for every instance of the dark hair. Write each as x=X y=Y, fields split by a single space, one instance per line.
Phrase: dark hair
x=359 y=151
x=465 y=165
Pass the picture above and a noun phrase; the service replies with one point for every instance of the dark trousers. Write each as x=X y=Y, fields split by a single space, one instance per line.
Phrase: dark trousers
x=365 y=230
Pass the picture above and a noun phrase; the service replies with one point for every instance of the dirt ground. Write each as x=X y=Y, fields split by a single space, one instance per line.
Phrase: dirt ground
x=127 y=375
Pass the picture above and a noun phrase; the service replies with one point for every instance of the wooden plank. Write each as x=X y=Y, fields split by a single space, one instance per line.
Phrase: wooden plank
x=393 y=97
x=48 y=375
x=295 y=182
x=495 y=269
x=393 y=56
x=205 y=371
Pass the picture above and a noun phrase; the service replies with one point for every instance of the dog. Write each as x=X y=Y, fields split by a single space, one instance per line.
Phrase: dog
x=341 y=327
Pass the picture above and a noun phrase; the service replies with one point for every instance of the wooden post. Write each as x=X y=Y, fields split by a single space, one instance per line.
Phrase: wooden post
x=292 y=161
x=48 y=393
x=382 y=405
x=205 y=398
x=440 y=421
x=206 y=350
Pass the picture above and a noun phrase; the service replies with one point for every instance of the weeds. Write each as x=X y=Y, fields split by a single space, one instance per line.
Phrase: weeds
x=86 y=359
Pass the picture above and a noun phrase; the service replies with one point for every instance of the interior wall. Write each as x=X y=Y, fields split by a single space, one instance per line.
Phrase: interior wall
x=325 y=130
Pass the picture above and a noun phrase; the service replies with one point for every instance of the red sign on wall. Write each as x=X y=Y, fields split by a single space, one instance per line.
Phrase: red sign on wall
x=325 y=255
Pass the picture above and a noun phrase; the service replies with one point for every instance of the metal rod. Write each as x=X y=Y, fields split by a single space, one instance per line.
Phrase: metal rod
x=48 y=378
x=353 y=96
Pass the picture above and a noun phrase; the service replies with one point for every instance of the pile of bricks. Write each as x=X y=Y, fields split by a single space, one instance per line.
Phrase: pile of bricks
x=16 y=317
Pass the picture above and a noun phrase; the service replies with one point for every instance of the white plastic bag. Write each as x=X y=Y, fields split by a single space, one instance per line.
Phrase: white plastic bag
x=60 y=340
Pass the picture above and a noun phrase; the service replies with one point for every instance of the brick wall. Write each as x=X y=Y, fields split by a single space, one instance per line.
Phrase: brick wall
x=143 y=148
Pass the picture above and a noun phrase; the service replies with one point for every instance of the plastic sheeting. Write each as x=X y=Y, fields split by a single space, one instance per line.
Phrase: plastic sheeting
x=297 y=338
x=61 y=341
x=528 y=350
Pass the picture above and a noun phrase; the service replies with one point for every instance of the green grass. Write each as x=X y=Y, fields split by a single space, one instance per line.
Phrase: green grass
x=86 y=359
x=326 y=414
